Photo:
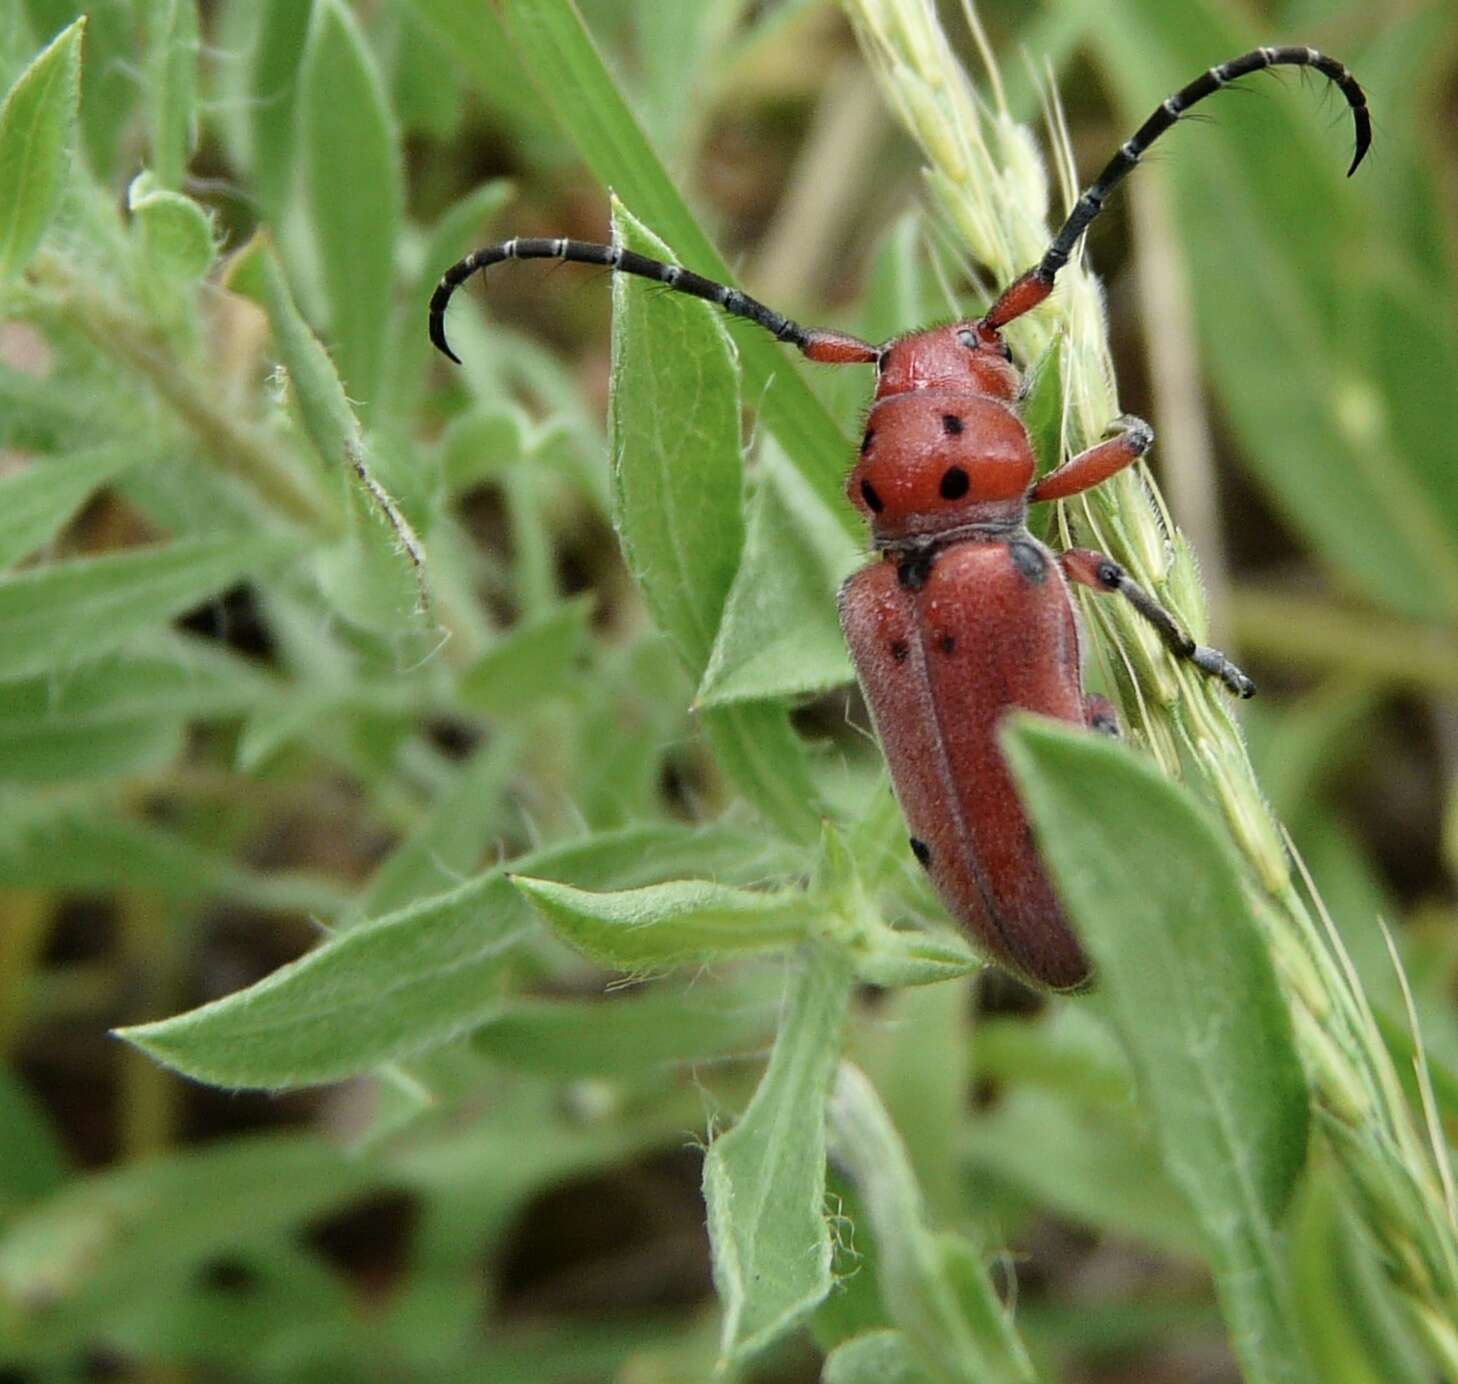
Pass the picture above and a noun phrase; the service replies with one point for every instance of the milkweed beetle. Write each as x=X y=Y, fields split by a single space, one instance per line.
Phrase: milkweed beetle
x=967 y=614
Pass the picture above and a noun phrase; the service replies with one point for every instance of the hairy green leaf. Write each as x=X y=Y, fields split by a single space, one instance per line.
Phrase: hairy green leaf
x=37 y=127
x=1157 y=896
x=669 y=924
x=764 y=1180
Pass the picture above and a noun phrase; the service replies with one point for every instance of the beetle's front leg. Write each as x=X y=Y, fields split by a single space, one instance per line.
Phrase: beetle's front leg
x=1104 y=574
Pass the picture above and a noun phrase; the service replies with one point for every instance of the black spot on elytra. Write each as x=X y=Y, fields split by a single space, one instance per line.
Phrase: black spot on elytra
x=947 y=643
x=1029 y=561
x=922 y=852
x=951 y=424
x=899 y=651
x=873 y=501
x=955 y=483
x=912 y=572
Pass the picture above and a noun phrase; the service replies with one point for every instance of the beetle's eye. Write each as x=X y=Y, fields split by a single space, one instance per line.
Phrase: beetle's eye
x=968 y=339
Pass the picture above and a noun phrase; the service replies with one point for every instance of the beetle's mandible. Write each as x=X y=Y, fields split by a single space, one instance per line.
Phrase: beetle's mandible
x=967 y=614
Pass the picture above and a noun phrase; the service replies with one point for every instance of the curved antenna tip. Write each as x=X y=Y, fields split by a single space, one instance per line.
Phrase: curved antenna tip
x=1364 y=138
x=438 y=338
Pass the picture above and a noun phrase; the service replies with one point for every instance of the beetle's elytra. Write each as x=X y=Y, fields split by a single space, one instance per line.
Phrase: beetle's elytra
x=967 y=615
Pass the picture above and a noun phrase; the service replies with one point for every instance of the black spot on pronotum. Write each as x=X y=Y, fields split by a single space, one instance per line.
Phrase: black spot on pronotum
x=867 y=440
x=947 y=644
x=955 y=483
x=899 y=651
x=1029 y=561
x=873 y=501
x=951 y=424
x=922 y=852
x=912 y=572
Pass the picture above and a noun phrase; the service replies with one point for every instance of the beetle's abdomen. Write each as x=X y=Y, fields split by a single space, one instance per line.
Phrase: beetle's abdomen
x=942 y=653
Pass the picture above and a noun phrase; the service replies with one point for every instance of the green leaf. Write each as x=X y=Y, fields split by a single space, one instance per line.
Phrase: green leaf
x=764 y=1181
x=678 y=476
x=51 y=844
x=159 y=673
x=375 y=576
x=758 y=748
x=1092 y=1167
x=108 y=1242
x=877 y=1357
x=32 y=1164
x=564 y=64
x=60 y=754
x=395 y=986
x=37 y=127
x=448 y=843
x=171 y=85
x=283 y=27
x=1157 y=896
x=780 y=636
x=677 y=489
x=324 y=409
x=685 y=921
x=474 y=36
x=38 y=499
x=177 y=234
x=355 y=185
x=537 y=659
x=62 y=614
x=623 y=1035
x=942 y=1301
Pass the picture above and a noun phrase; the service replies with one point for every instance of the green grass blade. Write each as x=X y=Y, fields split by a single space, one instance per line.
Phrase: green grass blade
x=764 y=1181
x=1158 y=900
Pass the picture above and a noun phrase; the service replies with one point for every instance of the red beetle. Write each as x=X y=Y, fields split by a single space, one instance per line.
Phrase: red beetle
x=967 y=614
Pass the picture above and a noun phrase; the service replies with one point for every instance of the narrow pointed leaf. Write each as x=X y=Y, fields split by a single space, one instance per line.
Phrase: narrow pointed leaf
x=764 y=1180
x=62 y=614
x=37 y=131
x=394 y=986
x=354 y=179
x=948 y=1313
x=685 y=921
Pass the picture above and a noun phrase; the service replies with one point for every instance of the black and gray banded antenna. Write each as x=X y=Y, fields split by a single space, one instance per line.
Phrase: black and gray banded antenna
x=1023 y=294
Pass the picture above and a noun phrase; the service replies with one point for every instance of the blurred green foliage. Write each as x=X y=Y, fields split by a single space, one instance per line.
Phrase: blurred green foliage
x=310 y=638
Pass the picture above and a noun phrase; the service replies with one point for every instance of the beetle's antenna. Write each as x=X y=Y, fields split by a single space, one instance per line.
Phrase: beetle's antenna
x=1033 y=287
x=816 y=343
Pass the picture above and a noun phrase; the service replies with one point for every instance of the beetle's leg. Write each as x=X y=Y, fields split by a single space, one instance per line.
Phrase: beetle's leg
x=1104 y=574
x=1096 y=465
x=1100 y=714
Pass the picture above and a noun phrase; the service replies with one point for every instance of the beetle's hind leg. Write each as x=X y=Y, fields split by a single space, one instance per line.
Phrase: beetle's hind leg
x=1104 y=574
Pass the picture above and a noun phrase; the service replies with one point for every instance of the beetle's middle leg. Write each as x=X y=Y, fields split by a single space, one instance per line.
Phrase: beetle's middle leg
x=1104 y=574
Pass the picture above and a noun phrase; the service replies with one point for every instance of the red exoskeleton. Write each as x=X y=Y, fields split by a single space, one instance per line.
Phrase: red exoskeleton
x=967 y=615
